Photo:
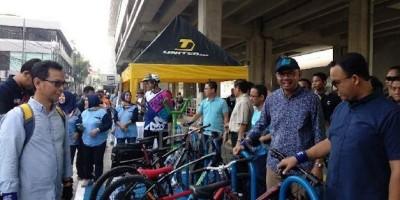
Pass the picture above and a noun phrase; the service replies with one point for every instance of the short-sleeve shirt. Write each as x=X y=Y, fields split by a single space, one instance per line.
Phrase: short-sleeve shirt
x=213 y=111
x=364 y=137
x=241 y=114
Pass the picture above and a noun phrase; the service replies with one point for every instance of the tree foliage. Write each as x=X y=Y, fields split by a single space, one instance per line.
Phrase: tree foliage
x=80 y=70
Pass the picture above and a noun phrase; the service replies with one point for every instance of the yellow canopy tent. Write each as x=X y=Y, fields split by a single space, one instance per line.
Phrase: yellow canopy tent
x=180 y=53
x=134 y=74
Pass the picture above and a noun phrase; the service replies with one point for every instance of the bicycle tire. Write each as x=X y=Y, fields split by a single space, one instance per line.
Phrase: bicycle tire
x=130 y=183
x=108 y=177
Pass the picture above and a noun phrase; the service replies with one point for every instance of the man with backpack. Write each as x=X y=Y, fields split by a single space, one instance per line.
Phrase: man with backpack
x=16 y=90
x=35 y=160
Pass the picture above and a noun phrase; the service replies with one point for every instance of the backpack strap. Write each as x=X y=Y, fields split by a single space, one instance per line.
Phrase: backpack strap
x=29 y=124
x=61 y=113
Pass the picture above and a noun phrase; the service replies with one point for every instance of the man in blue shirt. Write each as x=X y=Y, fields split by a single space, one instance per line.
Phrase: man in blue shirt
x=364 y=138
x=37 y=169
x=16 y=89
x=214 y=111
x=295 y=119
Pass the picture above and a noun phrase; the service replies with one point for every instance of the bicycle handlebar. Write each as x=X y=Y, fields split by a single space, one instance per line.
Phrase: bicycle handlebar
x=188 y=133
x=222 y=167
x=309 y=176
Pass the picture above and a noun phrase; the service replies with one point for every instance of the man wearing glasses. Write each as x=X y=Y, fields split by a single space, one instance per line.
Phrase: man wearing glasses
x=16 y=90
x=392 y=75
x=394 y=91
x=40 y=168
x=295 y=119
x=214 y=111
x=363 y=142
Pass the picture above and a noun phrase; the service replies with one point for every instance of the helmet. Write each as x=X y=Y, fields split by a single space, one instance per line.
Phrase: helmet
x=152 y=77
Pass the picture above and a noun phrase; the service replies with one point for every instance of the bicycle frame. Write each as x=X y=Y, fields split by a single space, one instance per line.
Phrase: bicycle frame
x=185 y=192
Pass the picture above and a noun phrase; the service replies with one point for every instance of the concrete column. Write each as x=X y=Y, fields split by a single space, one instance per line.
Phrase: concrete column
x=269 y=65
x=255 y=50
x=360 y=27
x=338 y=50
x=210 y=20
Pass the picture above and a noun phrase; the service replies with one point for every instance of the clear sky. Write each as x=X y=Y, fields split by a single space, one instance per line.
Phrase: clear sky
x=83 y=21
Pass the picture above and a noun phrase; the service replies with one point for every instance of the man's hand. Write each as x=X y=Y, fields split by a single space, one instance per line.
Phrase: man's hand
x=317 y=172
x=67 y=193
x=226 y=126
x=287 y=164
x=237 y=149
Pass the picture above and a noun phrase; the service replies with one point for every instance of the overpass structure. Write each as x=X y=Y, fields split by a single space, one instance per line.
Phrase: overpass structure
x=256 y=32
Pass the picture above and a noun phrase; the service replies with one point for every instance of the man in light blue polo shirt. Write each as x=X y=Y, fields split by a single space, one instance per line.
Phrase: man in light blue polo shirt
x=214 y=111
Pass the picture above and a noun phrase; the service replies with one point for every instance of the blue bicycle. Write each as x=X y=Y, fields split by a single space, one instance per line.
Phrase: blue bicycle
x=284 y=190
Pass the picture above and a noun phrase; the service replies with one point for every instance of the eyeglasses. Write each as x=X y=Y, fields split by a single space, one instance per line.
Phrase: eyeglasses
x=392 y=78
x=289 y=74
x=58 y=83
x=337 y=82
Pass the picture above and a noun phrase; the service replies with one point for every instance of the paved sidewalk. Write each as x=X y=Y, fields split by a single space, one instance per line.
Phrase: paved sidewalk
x=84 y=193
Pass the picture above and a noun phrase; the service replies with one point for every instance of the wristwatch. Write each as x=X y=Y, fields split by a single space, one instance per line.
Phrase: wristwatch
x=319 y=165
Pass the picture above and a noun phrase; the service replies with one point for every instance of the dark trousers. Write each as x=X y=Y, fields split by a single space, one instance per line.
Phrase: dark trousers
x=128 y=140
x=73 y=148
x=80 y=165
x=234 y=138
x=93 y=156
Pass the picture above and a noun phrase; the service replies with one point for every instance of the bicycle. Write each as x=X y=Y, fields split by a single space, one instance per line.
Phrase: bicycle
x=106 y=179
x=125 y=167
x=234 y=185
x=166 y=182
x=282 y=191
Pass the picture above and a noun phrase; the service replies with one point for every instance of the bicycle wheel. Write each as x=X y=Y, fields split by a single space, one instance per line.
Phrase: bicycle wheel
x=243 y=187
x=106 y=179
x=133 y=187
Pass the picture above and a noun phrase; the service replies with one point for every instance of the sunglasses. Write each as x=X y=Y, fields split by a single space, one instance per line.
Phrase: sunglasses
x=58 y=83
x=392 y=78
x=337 y=82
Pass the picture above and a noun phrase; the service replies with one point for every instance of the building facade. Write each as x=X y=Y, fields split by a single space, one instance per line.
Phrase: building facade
x=23 y=39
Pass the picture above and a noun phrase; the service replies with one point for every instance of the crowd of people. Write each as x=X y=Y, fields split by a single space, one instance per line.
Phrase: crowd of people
x=353 y=126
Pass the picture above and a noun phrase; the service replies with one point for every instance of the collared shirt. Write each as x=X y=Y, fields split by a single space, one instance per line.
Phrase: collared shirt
x=296 y=123
x=364 y=137
x=213 y=111
x=241 y=114
x=11 y=95
x=35 y=171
